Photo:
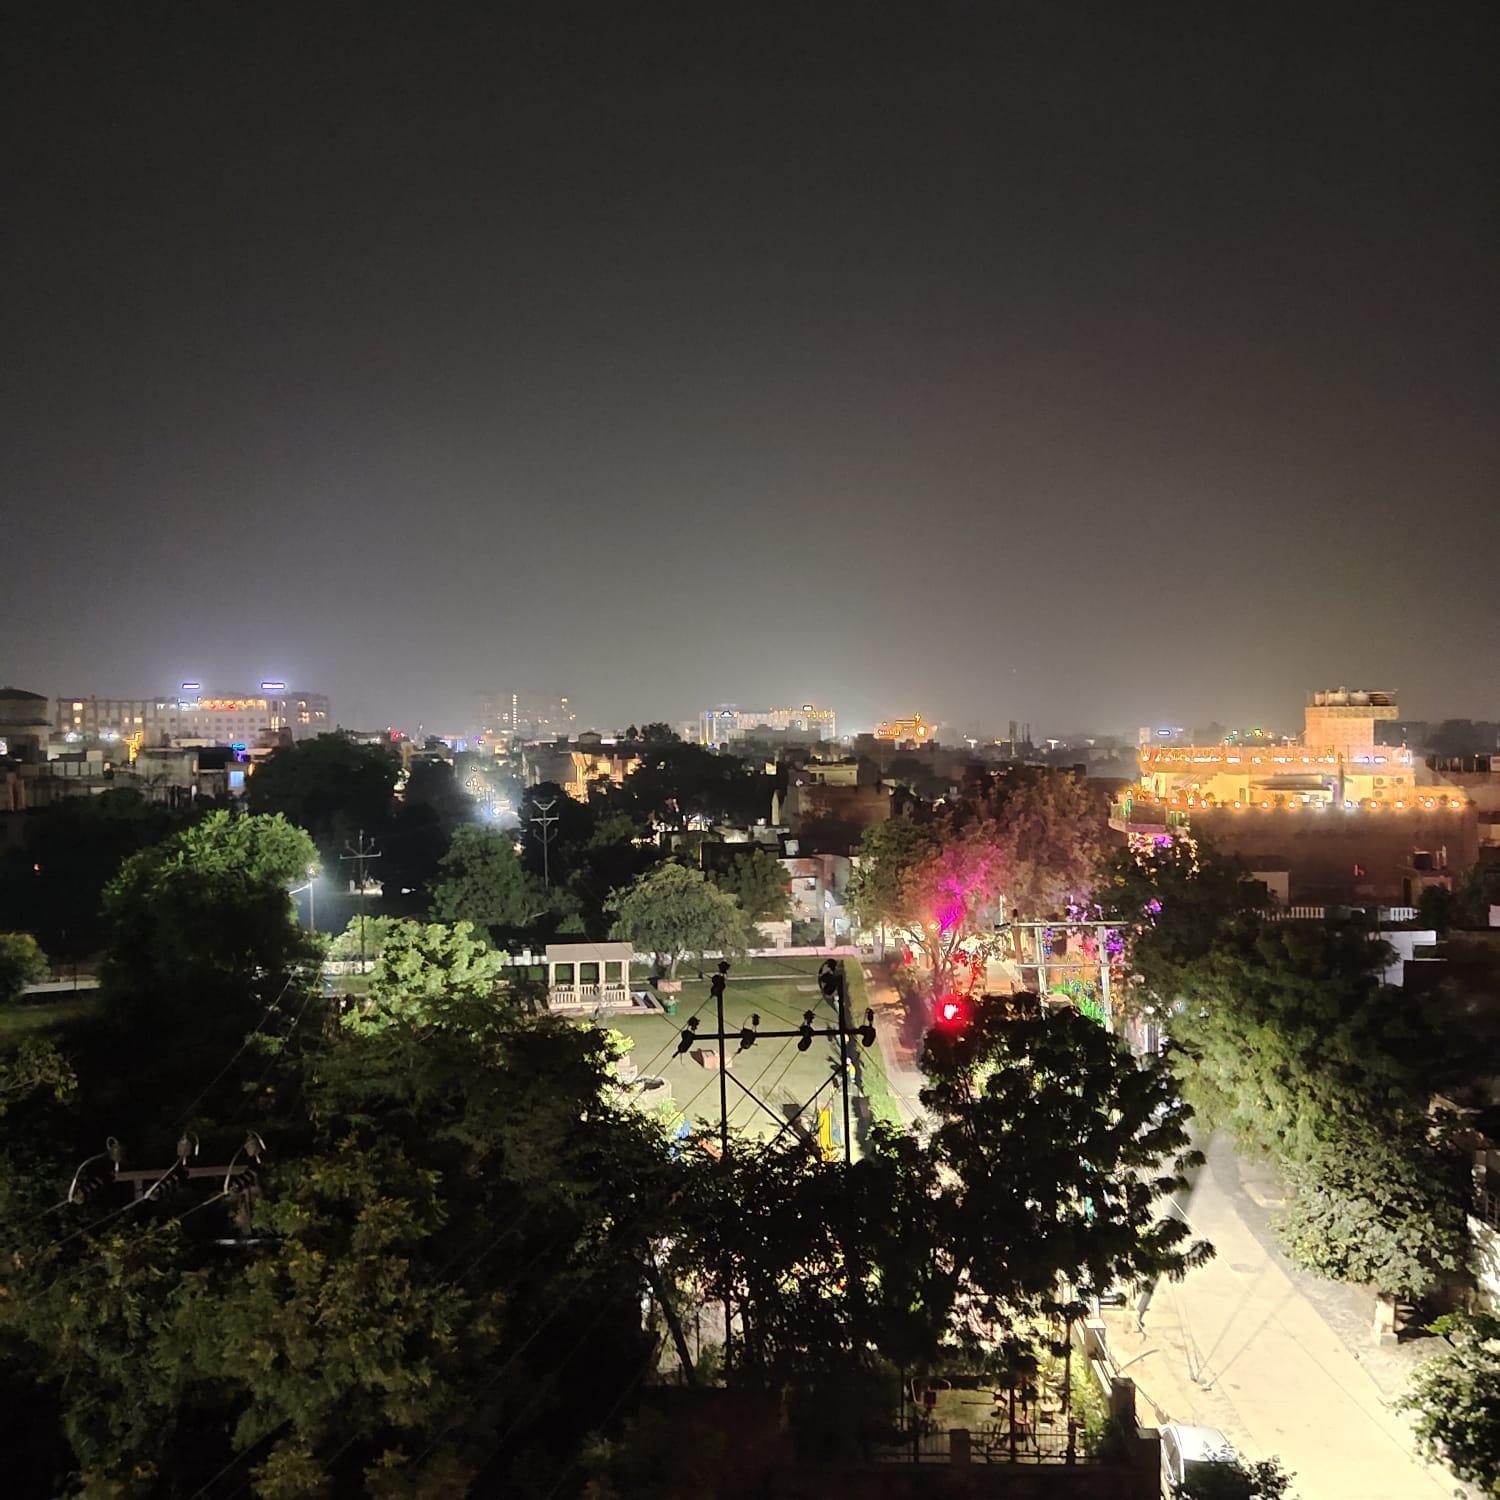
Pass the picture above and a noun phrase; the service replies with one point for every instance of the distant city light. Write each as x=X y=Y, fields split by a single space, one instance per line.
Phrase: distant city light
x=273 y=687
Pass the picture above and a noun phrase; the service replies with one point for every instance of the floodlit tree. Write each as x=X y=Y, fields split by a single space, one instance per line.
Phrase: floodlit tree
x=22 y=962
x=426 y=965
x=671 y=911
x=1284 y=1034
x=364 y=938
x=759 y=882
x=933 y=887
x=1011 y=847
x=1378 y=1208
x=203 y=922
x=481 y=881
x=1050 y=835
x=1455 y=1400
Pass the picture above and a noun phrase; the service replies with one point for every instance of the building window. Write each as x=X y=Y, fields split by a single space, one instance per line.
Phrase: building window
x=562 y=974
x=588 y=973
x=613 y=971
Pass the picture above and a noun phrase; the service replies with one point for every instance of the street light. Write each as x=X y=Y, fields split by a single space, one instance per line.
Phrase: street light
x=296 y=890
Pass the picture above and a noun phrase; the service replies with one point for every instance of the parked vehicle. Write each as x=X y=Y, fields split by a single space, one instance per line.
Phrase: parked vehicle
x=1186 y=1451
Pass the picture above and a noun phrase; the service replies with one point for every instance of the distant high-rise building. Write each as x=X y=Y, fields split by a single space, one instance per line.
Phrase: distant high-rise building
x=526 y=716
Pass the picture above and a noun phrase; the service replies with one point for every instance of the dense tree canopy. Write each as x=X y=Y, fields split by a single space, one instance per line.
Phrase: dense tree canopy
x=450 y=1237
x=328 y=785
x=759 y=883
x=1057 y=1151
x=1284 y=1034
x=676 y=784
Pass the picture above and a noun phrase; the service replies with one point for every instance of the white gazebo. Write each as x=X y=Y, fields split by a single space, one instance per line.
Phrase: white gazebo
x=589 y=976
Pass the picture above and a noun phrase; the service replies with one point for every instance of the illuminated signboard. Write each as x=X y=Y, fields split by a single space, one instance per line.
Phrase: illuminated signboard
x=273 y=687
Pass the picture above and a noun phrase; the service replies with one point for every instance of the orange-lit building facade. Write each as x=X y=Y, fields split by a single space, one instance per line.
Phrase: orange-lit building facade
x=915 y=728
x=1344 y=819
x=1337 y=766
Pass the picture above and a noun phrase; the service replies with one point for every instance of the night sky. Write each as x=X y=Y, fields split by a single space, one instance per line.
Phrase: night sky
x=1087 y=364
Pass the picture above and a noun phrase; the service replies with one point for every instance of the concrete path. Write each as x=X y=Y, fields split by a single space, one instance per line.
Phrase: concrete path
x=901 y=1069
x=1238 y=1346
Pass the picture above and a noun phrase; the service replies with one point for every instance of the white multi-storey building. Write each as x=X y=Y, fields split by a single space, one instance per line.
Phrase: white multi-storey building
x=218 y=718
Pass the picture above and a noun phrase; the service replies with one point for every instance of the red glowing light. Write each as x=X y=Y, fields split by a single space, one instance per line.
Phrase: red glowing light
x=952 y=1012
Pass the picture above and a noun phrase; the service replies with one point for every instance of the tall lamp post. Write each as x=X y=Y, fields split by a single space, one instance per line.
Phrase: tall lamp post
x=312 y=879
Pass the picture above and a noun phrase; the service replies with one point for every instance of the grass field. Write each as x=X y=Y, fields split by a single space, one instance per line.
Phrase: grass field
x=779 y=990
x=43 y=1015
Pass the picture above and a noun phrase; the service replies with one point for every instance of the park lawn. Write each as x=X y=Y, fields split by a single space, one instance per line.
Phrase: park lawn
x=779 y=990
x=43 y=1015
x=877 y=1085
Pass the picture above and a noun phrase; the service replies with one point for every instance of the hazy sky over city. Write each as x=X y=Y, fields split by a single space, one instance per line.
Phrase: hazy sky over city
x=1087 y=364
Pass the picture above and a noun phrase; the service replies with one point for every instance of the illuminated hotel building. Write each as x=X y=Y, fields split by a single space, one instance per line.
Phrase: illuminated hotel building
x=1343 y=820
x=1337 y=766
x=219 y=718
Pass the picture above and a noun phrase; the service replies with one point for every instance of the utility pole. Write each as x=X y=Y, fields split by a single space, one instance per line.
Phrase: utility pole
x=545 y=817
x=361 y=855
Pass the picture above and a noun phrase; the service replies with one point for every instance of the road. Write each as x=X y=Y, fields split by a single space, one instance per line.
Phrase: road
x=1240 y=1346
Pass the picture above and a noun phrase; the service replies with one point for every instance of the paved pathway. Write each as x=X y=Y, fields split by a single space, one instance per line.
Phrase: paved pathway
x=901 y=1069
x=1238 y=1346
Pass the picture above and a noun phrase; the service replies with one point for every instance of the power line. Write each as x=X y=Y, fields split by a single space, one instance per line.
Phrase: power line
x=361 y=855
x=545 y=818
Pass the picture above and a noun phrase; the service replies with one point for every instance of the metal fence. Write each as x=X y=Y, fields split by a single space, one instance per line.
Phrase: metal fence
x=1047 y=1442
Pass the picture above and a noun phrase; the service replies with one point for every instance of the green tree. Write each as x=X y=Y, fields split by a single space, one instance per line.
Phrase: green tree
x=1455 y=1400
x=481 y=881
x=328 y=785
x=33 y=1064
x=1058 y=1152
x=22 y=962
x=759 y=882
x=671 y=911
x=1235 y=1478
